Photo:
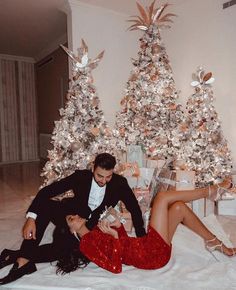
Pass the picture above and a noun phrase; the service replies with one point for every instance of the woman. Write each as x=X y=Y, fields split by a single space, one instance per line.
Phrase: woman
x=109 y=247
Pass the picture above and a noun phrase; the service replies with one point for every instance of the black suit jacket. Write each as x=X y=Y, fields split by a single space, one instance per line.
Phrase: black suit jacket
x=80 y=182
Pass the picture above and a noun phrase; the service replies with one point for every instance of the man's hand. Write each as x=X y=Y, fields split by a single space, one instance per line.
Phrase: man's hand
x=29 y=229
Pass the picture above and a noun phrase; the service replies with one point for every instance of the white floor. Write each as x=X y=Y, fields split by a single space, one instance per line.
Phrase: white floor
x=191 y=266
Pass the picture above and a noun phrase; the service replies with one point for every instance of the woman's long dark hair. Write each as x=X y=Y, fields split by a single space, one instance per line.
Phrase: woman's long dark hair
x=71 y=261
x=69 y=256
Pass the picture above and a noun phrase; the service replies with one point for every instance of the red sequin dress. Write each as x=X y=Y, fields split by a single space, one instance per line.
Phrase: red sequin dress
x=147 y=252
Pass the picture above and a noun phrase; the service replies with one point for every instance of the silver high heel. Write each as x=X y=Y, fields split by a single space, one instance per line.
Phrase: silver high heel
x=225 y=193
x=213 y=196
x=219 y=195
x=218 y=247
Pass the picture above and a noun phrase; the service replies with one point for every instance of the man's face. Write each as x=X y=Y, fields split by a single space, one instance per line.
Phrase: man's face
x=102 y=176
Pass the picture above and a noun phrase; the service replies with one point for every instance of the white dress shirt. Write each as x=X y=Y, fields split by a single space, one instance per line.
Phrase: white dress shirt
x=96 y=195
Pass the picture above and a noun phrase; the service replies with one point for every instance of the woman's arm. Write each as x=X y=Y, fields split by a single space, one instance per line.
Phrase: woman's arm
x=102 y=249
x=101 y=245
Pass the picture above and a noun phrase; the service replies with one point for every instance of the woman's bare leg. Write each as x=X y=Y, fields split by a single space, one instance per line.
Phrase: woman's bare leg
x=178 y=212
x=160 y=209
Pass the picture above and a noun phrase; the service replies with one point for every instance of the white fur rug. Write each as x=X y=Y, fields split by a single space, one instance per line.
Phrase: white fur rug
x=191 y=267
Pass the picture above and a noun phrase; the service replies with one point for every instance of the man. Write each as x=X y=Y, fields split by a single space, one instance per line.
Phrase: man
x=93 y=191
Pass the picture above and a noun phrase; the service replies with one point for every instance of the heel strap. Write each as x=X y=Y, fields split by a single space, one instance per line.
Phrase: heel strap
x=233 y=252
x=212 y=240
x=212 y=248
x=209 y=191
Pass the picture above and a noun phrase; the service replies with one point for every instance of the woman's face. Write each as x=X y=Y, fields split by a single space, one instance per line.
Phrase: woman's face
x=75 y=222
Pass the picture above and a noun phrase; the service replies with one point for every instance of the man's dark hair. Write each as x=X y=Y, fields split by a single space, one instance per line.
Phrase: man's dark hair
x=105 y=161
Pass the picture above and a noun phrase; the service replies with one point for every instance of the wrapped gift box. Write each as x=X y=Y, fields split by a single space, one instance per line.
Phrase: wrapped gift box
x=227 y=206
x=143 y=180
x=144 y=187
x=203 y=207
x=185 y=180
x=129 y=169
x=165 y=179
x=144 y=198
x=155 y=163
x=135 y=154
x=149 y=180
x=125 y=214
x=132 y=181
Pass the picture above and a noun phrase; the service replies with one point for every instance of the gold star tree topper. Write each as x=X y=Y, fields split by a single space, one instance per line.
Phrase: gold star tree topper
x=151 y=16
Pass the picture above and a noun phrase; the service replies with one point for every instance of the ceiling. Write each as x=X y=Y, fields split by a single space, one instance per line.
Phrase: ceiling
x=127 y=6
x=29 y=27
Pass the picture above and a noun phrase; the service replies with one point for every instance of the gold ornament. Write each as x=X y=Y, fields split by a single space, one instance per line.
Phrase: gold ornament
x=133 y=77
x=107 y=131
x=75 y=146
x=162 y=140
x=154 y=77
x=122 y=131
x=152 y=149
x=95 y=102
x=202 y=128
x=215 y=138
x=168 y=91
x=95 y=131
x=123 y=102
x=183 y=127
x=172 y=106
x=143 y=45
x=179 y=164
x=156 y=49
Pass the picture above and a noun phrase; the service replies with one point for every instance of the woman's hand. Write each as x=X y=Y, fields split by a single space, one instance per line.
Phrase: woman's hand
x=105 y=227
x=116 y=223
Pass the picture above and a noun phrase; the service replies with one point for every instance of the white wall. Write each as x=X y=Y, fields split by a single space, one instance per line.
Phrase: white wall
x=105 y=29
x=202 y=34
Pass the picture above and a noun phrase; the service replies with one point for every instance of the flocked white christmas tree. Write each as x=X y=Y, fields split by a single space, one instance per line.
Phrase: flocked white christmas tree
x=204 y=149
x=81 y=132
x=149 y=114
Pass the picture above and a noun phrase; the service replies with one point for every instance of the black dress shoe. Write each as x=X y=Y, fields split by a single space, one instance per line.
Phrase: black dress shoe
x=8 y=257
x=16 y=272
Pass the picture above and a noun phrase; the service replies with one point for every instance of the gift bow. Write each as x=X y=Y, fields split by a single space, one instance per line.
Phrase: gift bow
x=184 y=181
x=110 y=211
x=166 y=181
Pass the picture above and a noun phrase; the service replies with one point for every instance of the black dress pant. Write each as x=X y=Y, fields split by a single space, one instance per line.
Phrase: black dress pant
x=63 y=240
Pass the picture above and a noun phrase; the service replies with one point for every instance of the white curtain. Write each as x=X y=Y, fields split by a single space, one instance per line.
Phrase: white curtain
x=18 y=128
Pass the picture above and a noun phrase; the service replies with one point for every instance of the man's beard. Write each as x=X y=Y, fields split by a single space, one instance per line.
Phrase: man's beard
x=100 y=185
